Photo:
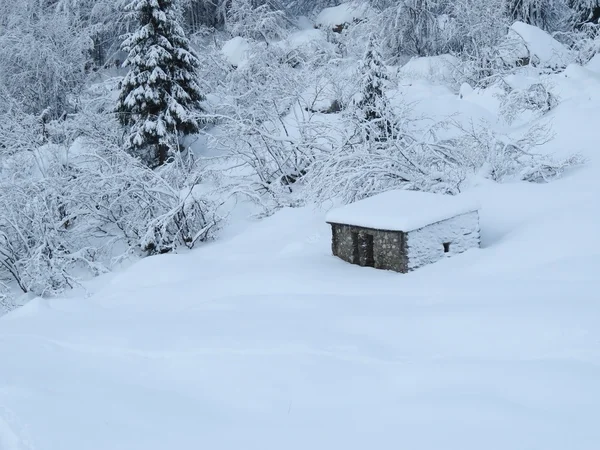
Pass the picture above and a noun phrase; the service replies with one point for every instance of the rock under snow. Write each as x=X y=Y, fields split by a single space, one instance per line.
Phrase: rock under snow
x=305 y=37
x=465 y=90
x=441 y=68
x=401 y=210
x=345 y=13
x=236 y=50
x=542 y=49
x=594 y=64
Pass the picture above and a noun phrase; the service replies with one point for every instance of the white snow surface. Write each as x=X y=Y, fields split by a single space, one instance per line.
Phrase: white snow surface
x=264 y=340
x=440 y=68
x=342 y=14
x=543 y=48
x=400 y=210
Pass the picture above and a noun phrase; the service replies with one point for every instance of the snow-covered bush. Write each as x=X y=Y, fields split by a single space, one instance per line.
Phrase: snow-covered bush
x=549 y=15
x=409 y=159
x=42 y=61
x=7 y=301
x=151 y=210
x=384 y=146
x=536 y=98
x=414 y=27
x=261 y=21
x=42 y=246
x=501 y=157
x=70 y=208
x=583 y=41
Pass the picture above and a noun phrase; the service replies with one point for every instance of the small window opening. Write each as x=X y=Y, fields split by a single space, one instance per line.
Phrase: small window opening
x=446 y=247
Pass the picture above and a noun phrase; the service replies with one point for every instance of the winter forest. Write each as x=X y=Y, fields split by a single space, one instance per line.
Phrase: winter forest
x=136 y=128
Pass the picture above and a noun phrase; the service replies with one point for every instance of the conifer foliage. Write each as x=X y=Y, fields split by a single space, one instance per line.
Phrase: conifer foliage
x=372 y=104
x=586 y=11
x=159 y=96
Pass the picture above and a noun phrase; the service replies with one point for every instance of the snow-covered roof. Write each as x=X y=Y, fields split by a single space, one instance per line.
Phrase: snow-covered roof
x=401 y=210
x=341 y=14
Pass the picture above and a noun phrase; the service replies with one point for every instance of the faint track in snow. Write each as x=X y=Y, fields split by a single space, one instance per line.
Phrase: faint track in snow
x=10 y=439
x=342 y=354
x=291 y=350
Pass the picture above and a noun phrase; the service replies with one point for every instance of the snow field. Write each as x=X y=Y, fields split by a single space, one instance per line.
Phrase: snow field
x=265 y=340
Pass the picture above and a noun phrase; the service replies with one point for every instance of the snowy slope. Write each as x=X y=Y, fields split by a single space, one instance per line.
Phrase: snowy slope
x=263 y=340
x=266 y=341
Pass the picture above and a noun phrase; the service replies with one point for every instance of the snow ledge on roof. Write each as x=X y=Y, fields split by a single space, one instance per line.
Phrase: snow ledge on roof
x=401 y=210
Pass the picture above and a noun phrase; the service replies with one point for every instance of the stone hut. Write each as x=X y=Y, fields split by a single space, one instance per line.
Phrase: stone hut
x=403 y=230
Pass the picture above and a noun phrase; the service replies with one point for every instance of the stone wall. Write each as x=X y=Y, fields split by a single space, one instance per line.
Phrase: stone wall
x=426 y=245
x=387 y=247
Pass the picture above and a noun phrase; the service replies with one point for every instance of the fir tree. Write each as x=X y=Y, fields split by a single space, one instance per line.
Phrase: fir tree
x=585 y=11
x=159 y=94
x=373 y=101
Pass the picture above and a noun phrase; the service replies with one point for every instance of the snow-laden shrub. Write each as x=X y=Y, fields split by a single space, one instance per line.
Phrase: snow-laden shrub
x=70 y=222
x=583 y=41
x=42 y=243
x=7 y=300
x=406 y=158
x=264 y=83
x=68 y=210
x=383 y=147
x=42 y=62
x=268 y=111
x=501 y=157
x=414 y=27
x=537 y=99
x=260 y=21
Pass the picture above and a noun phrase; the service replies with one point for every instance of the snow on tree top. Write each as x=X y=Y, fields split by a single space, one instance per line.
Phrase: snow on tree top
x=401 y=210
x=339 y=15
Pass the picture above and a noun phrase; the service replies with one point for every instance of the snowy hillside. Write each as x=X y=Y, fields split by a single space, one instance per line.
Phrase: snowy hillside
x=166 y=272
x=264 y=340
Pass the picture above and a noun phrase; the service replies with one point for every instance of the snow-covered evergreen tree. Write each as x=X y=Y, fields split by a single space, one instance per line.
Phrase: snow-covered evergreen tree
x=372 y=87
x=159 y=96
x=586 y=11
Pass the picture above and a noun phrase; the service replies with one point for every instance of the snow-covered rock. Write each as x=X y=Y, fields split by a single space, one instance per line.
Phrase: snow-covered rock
x=338 y=16
x=594 y=64
x=465 y=90
x=441 y=69
x=541 y=48
x=305 y=37
x=236 y=51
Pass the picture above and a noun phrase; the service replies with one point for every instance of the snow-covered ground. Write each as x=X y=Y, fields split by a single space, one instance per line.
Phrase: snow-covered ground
x=263 y=340
x=266 y=341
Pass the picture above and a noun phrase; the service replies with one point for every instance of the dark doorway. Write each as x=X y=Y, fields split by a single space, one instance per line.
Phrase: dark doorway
x=366 y=248
x=355 y=254
x=446 y=247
